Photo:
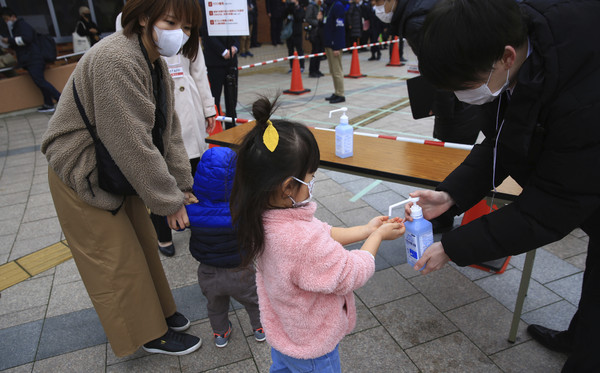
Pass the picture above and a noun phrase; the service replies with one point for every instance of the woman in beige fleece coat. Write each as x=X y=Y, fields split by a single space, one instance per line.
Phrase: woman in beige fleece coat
x=127 y=94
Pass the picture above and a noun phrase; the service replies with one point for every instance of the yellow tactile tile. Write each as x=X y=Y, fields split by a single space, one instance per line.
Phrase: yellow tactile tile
x=11 y=274
x=45 y=258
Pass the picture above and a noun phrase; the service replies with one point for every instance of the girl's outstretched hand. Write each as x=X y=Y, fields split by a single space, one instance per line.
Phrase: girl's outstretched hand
x=392 y=229
x=376 y=222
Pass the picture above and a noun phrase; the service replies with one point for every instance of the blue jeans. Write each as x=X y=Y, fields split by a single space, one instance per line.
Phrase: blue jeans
x=329 y=362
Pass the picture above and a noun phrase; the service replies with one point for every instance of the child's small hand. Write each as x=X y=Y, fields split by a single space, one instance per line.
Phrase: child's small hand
x=189 y=198
x=392 y=230
x=376 y=222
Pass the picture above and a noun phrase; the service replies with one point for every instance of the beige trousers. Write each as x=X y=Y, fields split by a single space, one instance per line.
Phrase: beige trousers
x=336 y=70
x=118 y=260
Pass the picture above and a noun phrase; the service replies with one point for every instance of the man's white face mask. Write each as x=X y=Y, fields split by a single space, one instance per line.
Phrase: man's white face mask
x=382 y=15
x=482 y=94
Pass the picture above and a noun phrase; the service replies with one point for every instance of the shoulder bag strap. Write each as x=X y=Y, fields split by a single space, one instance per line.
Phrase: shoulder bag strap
x=82 y=113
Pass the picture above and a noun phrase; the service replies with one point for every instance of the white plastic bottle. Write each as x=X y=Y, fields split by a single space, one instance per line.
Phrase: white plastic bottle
x=344 y=136
x=418 y=235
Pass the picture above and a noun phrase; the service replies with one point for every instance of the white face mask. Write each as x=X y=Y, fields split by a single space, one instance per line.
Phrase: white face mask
x=10 y=24
x=481 y=95
x=310 y=194
x=170 y=41
x=382 y=15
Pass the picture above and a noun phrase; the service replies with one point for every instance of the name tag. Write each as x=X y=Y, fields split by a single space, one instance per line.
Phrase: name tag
x=176 y=72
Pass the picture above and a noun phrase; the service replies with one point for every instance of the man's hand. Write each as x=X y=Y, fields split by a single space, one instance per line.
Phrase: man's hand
x=433 y=258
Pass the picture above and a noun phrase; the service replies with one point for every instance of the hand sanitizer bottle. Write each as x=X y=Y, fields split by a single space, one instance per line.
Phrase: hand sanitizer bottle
x=344 y=136
x=418 y=236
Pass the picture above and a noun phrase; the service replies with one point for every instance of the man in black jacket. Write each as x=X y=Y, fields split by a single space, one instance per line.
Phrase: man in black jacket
x=23 y=39
x=532 y=67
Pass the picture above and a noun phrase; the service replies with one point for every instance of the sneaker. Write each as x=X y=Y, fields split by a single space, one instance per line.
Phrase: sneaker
x=243 y=54
x=46 y=109
x=173 y=343
x=289 y=71
x=178 y=322
x=259 y=335
x=221 y=340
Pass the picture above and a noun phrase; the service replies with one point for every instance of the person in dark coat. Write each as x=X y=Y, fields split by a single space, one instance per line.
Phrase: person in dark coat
x=86 y=27
x=275 y=14
x=294 y=10
x=375 y=28
x=220 y=55
x=214 y=244
x=314 y=18
x=334 y=38
x=542 y=106
x=23 y=39
x=353 y=23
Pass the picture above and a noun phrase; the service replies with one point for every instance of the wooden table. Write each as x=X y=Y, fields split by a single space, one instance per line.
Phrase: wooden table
x=409 y=163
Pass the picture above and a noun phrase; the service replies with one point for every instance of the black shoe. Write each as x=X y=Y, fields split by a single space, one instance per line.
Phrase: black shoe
x=337 y=99
x=46 y=109
x=372 y=58
x=177 y=322
x=255 y=45
x=552 y=339
x=402 y=59
x=173 y=343
x=318 y=74
x=330 y=97
x=167 y=250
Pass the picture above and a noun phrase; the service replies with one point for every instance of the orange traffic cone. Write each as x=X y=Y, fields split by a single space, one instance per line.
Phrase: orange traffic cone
x=395 y=60
x=296 y=87
x=355 y=66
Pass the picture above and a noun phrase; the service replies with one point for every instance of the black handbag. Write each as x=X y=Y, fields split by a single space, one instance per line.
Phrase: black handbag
x=110 y=177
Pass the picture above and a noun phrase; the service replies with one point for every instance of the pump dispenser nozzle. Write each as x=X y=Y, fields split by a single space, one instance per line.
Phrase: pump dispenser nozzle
x=344 y=109
x=412 y=199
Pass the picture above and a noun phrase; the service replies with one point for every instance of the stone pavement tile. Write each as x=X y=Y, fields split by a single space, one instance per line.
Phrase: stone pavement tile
x=149 y=363
x=181 y=270
x=555 y=316
x=89 y=360
x=40 y=200
x=327 y=187
x=25 y=295
x=67 y=298
x=34 y=213
x=447 y=288
x=39 y=188
x=14 y=176
x=66 y=272
x=261 y=352
x=341 y=202
x=13 y=212
x=569 y=246
x=327 y=216
x=394 y=251
x=27 y=246
x=505 y=287
x=470 y=272
x=190 y=301
x=385 y=286
x=381 y=262
x=359 y=216
x=13 y=198
x=486 y=323
x=578 y=261
x=452 y=353
x=210 y=356
x=364 y=318
x=22 y=317
x=25 y=368
x=401 y=189
x=546 y=267
x=530 y=357
x=413 y=320
x=19 y=344
x=341 y=177
x=407 y=271
x=6 y=244
x=112 y=359
x=70 y=332
x=373 y=350
x=382 y=201
x=579 y=233
x=244 y=366
x=15 y=187
x=359 y=185
x=9 y=226
x=569 y=287
x=39 y=228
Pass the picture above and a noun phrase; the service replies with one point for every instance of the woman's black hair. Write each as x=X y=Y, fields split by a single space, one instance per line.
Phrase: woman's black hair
x=461 y=40
x=260 y=173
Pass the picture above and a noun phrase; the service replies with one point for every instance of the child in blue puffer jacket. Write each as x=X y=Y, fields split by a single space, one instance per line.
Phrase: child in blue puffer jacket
x=213 y=243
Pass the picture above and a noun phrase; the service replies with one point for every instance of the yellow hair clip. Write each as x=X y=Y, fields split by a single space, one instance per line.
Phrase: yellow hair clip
x=271 y=137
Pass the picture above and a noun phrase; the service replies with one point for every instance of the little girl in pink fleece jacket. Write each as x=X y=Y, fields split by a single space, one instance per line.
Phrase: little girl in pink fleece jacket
x=305 y=278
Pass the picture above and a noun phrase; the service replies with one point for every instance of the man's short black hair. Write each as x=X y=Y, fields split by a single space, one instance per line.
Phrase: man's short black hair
x=461 y=40
x=8 y=12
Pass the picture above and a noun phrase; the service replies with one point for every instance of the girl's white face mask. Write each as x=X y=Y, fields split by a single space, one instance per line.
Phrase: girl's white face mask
x=481 y=95
x=382 y=15
x=170 y=41
x=310 y=193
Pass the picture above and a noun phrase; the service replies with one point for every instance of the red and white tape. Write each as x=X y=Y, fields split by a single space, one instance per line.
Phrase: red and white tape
x=313 y=55
x=442 y=144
